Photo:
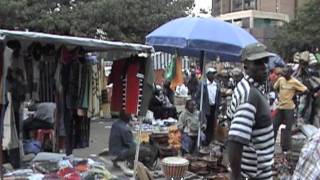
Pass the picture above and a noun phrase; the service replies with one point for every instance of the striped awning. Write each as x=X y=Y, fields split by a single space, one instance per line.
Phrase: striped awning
x=161 y=60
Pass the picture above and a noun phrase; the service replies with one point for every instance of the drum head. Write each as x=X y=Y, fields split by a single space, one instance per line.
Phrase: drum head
x=175 y=161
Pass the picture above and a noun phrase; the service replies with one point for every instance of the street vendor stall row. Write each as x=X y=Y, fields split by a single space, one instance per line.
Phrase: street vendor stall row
x=61 y=69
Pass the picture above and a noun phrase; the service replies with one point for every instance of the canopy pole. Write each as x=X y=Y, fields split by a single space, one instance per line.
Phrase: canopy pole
x=136 y=159
x=201 y=116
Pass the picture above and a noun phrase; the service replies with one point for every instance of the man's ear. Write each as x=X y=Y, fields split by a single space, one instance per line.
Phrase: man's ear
x=245 y=65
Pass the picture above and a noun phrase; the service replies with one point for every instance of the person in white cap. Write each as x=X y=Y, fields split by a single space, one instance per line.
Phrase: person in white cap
x=251 y=136
x=210 y=103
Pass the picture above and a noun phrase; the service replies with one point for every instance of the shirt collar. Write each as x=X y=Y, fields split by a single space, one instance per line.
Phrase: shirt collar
x=259 y=86
x=208 y=82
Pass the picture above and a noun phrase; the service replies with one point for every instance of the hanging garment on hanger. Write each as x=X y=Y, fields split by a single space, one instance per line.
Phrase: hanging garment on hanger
x=115 y=79
x=133 y=83
x=10 y=136
x=94 y=94
x=131 y=88
x=84 y=85
x=47 y=72
x=7 y=54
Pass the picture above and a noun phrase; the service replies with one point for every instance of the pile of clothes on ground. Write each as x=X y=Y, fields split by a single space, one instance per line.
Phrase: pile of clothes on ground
x=58 y=166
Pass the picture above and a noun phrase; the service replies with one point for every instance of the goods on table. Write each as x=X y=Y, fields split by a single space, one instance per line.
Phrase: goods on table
x=174 y=137
x=211 y=161
x=208 y=162
x=199 y=167
x=174 y=167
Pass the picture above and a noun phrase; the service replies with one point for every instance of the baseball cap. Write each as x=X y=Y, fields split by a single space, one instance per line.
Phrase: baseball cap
x=211 y=70
x=254 y=52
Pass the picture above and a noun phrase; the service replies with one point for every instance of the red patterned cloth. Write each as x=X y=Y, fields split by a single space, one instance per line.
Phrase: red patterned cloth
x=115 y=79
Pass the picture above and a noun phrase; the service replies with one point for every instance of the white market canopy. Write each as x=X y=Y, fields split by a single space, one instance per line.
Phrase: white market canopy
x=90 y=45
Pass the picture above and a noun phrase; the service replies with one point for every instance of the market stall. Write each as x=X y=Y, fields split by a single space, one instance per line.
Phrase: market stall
x=63 y=70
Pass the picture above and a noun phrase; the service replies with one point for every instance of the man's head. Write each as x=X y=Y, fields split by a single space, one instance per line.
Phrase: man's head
x=125 y=116
x=210 y=74
x=167 y=84
x=255 y=59
x=191 y=105
x=287 y=72
x=15 y=45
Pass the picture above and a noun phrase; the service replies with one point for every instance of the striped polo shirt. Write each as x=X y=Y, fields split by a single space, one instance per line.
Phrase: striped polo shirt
x=251 y=126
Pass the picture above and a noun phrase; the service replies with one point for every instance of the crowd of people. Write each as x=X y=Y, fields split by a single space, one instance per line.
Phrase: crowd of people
x=255 y=100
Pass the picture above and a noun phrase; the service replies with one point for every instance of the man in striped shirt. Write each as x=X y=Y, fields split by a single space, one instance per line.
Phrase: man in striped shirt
x=251 y=137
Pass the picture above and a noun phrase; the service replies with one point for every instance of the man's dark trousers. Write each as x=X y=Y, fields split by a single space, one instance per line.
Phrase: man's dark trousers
x=284 y=116
x=211 y=125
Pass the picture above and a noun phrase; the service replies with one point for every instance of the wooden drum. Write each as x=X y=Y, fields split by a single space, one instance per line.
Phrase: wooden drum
x=174 y=167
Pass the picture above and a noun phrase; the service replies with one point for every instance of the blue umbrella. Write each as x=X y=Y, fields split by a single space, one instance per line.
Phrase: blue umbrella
x=201 y=37
x=193 y=35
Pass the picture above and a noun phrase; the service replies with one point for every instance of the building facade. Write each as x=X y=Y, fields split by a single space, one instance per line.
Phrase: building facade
x=288 y=7
x=259 y=17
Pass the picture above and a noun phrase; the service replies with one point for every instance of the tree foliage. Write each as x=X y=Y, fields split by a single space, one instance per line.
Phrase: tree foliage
x=304 y=29
x=125 y=20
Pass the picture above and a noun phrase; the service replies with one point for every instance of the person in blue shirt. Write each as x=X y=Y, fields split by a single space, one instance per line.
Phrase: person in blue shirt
x=121 y=142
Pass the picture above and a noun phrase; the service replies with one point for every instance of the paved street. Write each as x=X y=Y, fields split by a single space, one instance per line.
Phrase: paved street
x=99 y=138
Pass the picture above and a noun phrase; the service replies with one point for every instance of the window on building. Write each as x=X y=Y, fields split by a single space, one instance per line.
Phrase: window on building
x=216 y=7
x=266 y=23
x=250 y=4
x=236 y=5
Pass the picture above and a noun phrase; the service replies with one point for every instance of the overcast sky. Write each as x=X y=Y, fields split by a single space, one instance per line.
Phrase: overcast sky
x=202 y=4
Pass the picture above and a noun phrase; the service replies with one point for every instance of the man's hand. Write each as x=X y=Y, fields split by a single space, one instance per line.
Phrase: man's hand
x=235 y=154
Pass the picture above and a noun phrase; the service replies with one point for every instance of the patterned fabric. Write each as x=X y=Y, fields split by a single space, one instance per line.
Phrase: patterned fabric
x=251 y=126
x=241 y=93
x=308 y=166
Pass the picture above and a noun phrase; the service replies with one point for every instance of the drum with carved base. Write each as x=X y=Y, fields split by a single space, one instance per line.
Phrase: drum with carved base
x=174 y=168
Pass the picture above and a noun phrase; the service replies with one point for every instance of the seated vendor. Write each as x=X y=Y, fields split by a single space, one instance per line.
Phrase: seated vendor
x=188 y=124
x=43 y=118
x=161 y=106
x=121 y=142
x=123 y=147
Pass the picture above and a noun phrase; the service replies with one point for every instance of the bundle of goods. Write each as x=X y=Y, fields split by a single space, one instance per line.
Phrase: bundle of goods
x=208 y=161
x=168 y=144
x=58 y=166
x=174 y=138
x=199 y=167
x=159 y=138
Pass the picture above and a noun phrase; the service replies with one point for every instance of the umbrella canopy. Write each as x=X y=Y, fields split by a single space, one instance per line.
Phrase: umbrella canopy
x=191 y=35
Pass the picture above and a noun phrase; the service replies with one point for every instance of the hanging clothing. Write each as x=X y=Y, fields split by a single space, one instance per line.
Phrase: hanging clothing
x=95 y=93
x=84 y=85
x=115 y=79
x=178 y=77
x=47 y=67
x=132 y=82
x=10 y=136
x=7 y=54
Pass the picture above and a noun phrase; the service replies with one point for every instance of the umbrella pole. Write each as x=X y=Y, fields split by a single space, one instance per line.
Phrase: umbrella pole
x=202 y=57
x=136 y=159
